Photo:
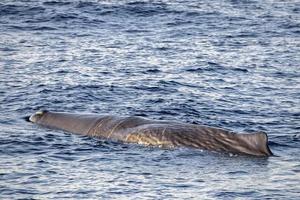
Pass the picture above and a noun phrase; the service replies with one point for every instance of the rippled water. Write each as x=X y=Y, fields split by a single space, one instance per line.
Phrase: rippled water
x=230 y=64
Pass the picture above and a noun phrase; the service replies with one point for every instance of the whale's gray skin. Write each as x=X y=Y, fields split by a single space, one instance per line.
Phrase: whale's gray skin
x=154 y=132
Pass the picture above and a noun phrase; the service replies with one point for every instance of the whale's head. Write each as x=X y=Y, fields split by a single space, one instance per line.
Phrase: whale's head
x=37 y=116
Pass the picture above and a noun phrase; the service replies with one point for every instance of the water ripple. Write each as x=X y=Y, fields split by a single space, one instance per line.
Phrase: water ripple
x=230 y=64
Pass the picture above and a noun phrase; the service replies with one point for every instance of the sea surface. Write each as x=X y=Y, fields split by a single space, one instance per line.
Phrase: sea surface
x=230 y=64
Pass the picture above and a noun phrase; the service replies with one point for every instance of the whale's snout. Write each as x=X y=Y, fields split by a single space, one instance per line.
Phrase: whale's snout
x=36 y=116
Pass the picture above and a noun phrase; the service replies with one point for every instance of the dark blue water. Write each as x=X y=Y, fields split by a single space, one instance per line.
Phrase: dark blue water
x=230 y=64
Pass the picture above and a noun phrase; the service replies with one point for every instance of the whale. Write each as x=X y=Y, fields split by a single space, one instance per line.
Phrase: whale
x=160 y=133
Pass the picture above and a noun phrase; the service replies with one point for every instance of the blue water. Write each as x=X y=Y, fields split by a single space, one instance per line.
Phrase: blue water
x=230 y=64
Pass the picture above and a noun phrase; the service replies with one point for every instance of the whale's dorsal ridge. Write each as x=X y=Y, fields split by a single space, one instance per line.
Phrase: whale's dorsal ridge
x=258 y=140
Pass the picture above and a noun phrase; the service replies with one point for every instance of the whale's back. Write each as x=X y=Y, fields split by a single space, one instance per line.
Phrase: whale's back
x=204 y=137
x=155 y=132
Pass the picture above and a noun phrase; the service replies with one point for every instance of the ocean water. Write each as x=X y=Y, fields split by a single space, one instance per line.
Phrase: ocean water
x=230 y=64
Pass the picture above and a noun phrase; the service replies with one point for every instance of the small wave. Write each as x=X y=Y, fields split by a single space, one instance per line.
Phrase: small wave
x=10 y=9
x=7 y=49
x=214 y=67
x=57 y=3
x=31 y=28
x=64 y=17
x=44 y=28
x=153 y=71
x=20 y=10
x=83 y=4
x=198 y=69
x=148 y=88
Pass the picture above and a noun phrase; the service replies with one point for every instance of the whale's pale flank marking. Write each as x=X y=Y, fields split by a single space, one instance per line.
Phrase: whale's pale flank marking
x=155 y=132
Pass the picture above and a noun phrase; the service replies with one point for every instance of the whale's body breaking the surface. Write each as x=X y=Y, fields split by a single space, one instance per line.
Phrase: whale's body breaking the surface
x=156 y=132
